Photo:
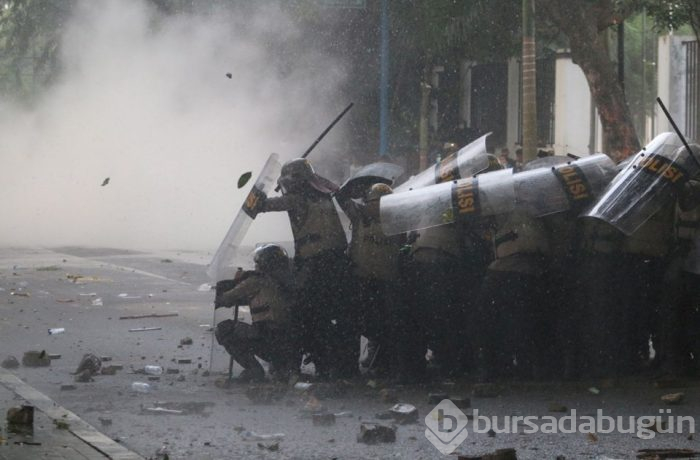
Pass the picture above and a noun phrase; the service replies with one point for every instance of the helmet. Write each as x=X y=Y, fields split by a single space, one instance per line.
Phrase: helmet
x=494 y=164
x=294 y=173
x=270 y=257
x=377 y=191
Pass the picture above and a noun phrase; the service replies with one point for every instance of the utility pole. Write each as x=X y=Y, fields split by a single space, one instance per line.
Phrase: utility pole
x=529 y=102
x=423 y=131
x=384 y=80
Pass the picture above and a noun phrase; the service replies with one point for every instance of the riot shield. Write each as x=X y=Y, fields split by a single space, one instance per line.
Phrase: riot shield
x=646 y=185
x=372 y=174
x=456 y=201
x=569 y=185
x=467 y=161
x=222 y=266
x=546 y=162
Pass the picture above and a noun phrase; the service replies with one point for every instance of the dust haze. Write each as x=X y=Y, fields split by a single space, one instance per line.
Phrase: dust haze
x=144 y=100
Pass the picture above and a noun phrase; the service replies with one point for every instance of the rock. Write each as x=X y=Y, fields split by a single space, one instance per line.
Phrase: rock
x=36 y=359
x=172 y=370
x=313 y=405
x=182 y=379
x=109 y=370
x=388 y=395
x=184 y=360
x=491 y=433
x=54 y=356
x=10 y=363
x=673 y=398
x=205 y=374
x=435 y=398
x=68 y=387
x=274 y=447
x=323 y=419
x=404 y=413
x=105 y=358
x=105 y=421
x=90 y=363
x=84 y=376
x=21 y=417
x=186 y=341
x=375 y=433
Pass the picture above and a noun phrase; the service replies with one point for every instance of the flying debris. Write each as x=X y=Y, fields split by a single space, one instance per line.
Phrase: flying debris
x=229 y=75
x=245 y=177
x=105 y=182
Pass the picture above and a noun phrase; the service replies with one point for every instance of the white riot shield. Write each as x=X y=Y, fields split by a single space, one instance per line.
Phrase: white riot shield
x=222 y=265
x=456 y=201
x=646 y=185
x=467 y=161
x=560 y=187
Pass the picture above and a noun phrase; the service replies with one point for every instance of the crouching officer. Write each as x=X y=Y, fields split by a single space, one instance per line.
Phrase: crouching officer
x=268 y=290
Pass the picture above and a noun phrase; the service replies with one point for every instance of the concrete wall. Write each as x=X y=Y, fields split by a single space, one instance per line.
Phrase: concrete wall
x=671 y=81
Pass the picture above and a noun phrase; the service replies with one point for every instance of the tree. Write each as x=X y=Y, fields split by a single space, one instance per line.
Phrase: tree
x=584 y=23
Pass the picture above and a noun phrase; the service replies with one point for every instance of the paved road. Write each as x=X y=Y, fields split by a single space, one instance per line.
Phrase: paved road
x=59 y=287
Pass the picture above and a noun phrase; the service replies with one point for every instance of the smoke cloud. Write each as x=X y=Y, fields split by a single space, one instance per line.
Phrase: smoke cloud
x=144 y=100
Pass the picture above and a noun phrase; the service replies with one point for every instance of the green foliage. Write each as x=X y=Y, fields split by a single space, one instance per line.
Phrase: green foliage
x=673 y=14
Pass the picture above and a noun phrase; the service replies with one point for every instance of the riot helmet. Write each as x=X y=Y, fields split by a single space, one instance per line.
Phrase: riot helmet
x=294 y=174
x=270 y=257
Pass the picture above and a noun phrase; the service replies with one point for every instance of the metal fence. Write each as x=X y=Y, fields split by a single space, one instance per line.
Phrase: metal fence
x=692 y=90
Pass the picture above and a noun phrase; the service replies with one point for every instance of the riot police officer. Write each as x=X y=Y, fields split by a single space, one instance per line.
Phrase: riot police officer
x=320 y=263
x=268 y=291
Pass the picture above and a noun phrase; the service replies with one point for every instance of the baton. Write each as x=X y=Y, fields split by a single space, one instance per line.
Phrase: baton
x=678 y=131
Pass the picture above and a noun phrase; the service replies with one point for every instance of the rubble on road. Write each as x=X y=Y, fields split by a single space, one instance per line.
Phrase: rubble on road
x=35 y=358
x=90 y=363
x=375 y=433
x=404 y=413
x=388 y=395
x=653 y=454
x=323 y=419
x=673 y=398
x=436 y=398
x=10 y=363
x=20 y=418
x=265 y=394
x=186 y=341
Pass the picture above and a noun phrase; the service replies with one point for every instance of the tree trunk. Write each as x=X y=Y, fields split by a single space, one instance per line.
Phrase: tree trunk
x=529 y=110
x=584 y=22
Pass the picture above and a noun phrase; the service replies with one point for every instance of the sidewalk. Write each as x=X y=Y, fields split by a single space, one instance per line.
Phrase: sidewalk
x=79 y=441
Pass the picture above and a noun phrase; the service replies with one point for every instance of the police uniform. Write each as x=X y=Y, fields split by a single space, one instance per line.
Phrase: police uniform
x=269 y=336
x=320 y=263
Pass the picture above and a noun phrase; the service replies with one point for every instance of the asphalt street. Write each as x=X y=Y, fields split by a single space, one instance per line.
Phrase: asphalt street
x=86 y=291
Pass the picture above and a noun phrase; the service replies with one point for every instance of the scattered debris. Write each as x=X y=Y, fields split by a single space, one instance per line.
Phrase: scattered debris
x=592 y=437
x=141 y=387
x=372 y=383
x=668 y=382
x=35 y=358
x=105 y=182
x=68 y=387
x=90 y=363
x=594 y=390
x=313 y=405
x=54 y=356
x=245 y=177
x=97 y=302
x=253 y=436
x=153 y=370
x=491 y=433
x=105 y=358
x=204 y=287
x=49 y=268
x=166 y=261
x=65 y=300
x=673 y=398
x=274 y=447
x=152 y=315
x=10 y=363
x=57 y=330
x=124 y=295
x=374 y=433
x=111 y=370
x=61 y=424
x=303 y=386
x=20 y=294
x=652 y=454
x=435 y=398
x=81 y=279
x=20 y=418
x=145 y=329
x=172 y=371
x=184 y=360
x=404 y=413
x=344 y=414
x=162 y=411
x=104 y=421
x=84 y=376
x=186 y=341
x=323 y=419
x=556 y=407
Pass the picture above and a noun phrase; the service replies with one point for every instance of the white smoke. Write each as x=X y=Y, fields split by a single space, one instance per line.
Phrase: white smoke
x=144 y=100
